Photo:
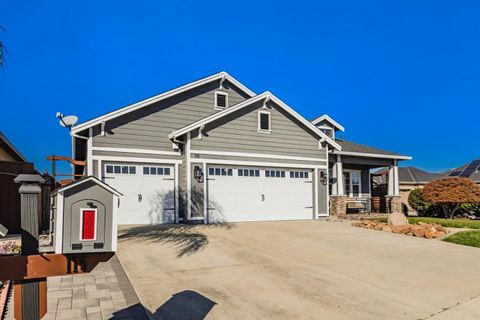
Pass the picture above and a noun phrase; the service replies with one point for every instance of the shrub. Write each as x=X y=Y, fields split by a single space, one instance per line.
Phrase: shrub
x=416 y=201
x=451 y=193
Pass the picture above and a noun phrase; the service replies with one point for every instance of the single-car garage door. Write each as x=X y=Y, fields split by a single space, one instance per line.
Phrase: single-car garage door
x=148 y=192
x=258 y=194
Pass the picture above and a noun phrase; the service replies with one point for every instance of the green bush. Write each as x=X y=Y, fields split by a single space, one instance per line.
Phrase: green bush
x=417 y=203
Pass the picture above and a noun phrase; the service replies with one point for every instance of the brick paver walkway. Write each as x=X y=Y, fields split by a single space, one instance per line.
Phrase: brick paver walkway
x=105 y=293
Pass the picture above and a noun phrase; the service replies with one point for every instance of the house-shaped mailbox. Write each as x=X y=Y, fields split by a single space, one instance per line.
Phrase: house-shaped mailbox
x=85 y=217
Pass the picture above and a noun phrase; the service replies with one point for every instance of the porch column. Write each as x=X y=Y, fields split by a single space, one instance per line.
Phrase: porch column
x=337 y=171
x=338 y=201
x=393 y=196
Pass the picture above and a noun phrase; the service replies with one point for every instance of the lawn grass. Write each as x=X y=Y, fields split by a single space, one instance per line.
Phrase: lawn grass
x=448 y=223
x=467 y=238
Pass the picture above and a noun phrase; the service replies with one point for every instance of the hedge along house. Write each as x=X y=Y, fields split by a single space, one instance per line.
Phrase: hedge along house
x=214 y=151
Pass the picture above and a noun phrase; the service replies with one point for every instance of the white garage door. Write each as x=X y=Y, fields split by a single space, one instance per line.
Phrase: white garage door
x=148 y=192
x=259 y=194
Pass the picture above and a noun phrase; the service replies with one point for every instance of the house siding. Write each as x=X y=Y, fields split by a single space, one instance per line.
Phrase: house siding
x=238 y=133
x=148 y=127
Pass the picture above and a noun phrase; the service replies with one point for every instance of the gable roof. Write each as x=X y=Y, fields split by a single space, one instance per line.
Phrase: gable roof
x=266 y=95
x=410 y=175
x=6 y=144
x=327 y=118
x=86 y=179
x=154 y=99
x=355 y=149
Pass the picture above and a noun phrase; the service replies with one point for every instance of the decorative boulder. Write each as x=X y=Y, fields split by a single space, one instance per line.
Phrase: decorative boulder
x=397 y=219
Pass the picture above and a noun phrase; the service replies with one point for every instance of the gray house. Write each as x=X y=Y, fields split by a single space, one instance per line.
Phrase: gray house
x=214 y=151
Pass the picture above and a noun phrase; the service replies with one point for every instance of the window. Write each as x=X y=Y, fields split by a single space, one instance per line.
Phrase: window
x=220 y=172
x=88 y=224
x=264 y=124
x=274 y=173
x=156 y=171
x=221 y=100
x=248 y=173
x=351 y=180
x=117 y=169
x=299 y=174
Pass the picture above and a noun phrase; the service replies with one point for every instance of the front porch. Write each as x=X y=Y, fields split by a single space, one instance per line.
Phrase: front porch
x=350 y=186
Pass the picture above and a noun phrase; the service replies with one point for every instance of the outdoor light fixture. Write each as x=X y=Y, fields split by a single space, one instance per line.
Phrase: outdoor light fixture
x=198 y=174
x=323 y=177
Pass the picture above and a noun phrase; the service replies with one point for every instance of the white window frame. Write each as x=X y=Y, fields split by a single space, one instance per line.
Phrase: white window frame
x=259 y=129
x=216 y=107
x=328 y=128
x=350 y=194
x=80 y=236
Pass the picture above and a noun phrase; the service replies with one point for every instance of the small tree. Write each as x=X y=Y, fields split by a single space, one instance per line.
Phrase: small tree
x=450 y=193
x=416 y=201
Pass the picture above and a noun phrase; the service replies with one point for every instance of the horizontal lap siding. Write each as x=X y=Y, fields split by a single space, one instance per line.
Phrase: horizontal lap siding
x=148 y=128
x=238 y=133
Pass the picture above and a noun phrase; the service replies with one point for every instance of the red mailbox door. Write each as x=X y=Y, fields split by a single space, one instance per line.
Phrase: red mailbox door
x=88 y=224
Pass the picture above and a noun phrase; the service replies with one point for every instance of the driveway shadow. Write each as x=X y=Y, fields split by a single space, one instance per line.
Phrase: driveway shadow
x=185 y=305
x=187 y=239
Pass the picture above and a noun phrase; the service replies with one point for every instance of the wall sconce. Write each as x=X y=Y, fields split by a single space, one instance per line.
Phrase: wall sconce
x=198 y=174
x=323 y=178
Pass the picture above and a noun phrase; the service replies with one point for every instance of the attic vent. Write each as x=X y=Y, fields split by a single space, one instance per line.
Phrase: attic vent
x=221 y=100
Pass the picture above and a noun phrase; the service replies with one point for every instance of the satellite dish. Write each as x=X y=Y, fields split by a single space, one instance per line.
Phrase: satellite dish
x=68 y=121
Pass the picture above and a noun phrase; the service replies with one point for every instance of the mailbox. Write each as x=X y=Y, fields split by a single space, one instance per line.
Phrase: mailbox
x=85 y=217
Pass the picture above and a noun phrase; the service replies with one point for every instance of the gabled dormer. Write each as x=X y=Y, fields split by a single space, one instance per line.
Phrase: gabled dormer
x=327 y=125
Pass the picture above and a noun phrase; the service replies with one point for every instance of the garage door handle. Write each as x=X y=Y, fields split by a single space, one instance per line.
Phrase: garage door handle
x=139 y=198
x=210 y=208
x=168 y=179
x=263 y=197
x=308 y=207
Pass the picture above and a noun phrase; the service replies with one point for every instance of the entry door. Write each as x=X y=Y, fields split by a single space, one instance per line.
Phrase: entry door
x=148 y=192
x=259 y=194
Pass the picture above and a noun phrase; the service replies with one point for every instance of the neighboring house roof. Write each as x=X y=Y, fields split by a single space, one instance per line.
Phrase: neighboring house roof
x=10 y=148
x=468 y=170
x=409 y=175
x=86 y=179
x=327 y=118
x=119 y=112
x=356 y=149
x=266 y=95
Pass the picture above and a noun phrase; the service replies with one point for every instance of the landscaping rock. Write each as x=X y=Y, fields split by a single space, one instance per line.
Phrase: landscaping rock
x=419 y=232
x=422 y=230
x=397 y=219
x=386 y=229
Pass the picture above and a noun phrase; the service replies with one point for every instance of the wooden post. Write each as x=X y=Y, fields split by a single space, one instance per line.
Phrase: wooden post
x=30 y=300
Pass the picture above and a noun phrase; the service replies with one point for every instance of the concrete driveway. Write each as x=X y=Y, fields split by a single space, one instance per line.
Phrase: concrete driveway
x=298 y=270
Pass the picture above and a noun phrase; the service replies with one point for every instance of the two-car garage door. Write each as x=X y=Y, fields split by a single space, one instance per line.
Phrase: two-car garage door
x=258 y=194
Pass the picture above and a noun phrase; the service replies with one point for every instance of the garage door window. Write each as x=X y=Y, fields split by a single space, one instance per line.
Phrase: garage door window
x=119 y=169
x=220 y=172
x=156 y=171
x=299 y=174
x=274 y=173
x=248 y=173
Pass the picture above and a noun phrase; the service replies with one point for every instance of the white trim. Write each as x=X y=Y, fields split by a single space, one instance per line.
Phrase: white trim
x=329 y=119
x=259 y=164
x=74 y=143
x=259 y=129
x=133 y=150
x=315 y=190
x=99 y=170
x=90 y=178
x=205 y=194
x=144 y=160
x=189 y=176
x=176 y=182
x=215 y=106
x=175 y=134
x=372 y=155
x=146 y=102
x=90 y=152
x=115 y=204
x=254 y=155
x=102 y=128
x=328 y=184
x=81 y=224
x=59 y=223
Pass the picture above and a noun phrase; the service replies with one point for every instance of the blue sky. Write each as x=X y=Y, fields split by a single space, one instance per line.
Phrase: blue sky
x=402 y=76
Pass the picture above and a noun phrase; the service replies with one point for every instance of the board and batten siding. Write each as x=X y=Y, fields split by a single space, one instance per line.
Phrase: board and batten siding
x=148 y=127
x=238 y=132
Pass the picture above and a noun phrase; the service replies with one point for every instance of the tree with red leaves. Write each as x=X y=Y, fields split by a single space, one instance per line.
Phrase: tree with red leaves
x=450 y=193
